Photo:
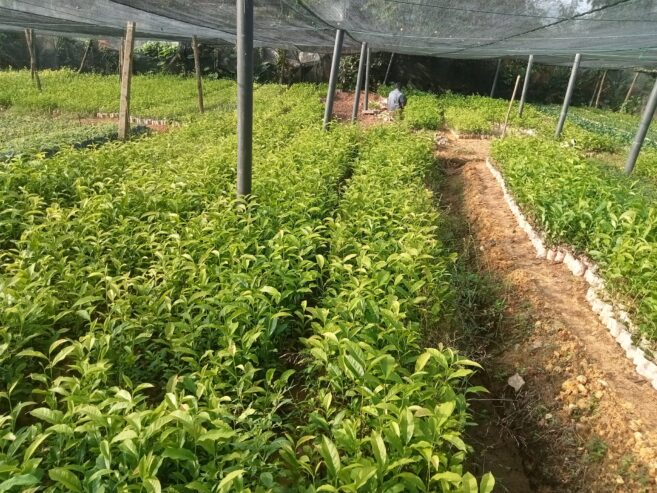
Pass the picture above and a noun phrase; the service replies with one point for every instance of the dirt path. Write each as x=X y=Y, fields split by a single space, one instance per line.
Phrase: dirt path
x=584 y=420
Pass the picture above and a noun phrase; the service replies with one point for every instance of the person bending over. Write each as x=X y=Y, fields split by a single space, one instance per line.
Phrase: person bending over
x=396 y=101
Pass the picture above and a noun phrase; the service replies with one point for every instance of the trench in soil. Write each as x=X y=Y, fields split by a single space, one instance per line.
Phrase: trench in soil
x=584 y=421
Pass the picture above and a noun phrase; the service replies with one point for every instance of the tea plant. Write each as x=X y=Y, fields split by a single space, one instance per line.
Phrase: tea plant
x=381 y=413
x=594 y=208
x=26 y=135
x=152 y=96
x=158 y=335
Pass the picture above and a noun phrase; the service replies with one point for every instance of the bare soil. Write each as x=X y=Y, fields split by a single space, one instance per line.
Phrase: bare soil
x=343 y=107
x=584 y=421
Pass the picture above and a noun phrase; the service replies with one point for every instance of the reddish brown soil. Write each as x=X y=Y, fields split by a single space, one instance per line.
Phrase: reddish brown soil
x=343 y=107
x=584 y=421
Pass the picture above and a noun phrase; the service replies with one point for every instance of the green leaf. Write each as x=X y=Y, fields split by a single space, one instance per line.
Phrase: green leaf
x=227 y=481
x=450 y=477
x=331 y=456
x=49 y=415
x=469 y=484
x=178 y=454
x=407 y=425
x=421 y=361
x=20 y=480
x=379 y=450
x=152 y=485
x=30 y=353
x=66 y=478
x=34 y=445
x=487 y=483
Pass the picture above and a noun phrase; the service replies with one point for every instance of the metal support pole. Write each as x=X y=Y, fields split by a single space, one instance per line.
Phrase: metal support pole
x=385 y=80
x=508 y=113
x=568 y=97
x=126 y=80
x=602 y=83
x=34 y=68
x=525 y=86
x=333 y=80
x=629 y=91
x=199 y=73
x=646 y=119
x=366 y=106
x=497 y=75
x=359 y=81
x=244 y=96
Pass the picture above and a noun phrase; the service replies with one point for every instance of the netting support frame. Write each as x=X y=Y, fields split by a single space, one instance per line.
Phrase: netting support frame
x=525 y=85
x=497 y=76
x=641 y=133
x=568 y=97
x=333 y=79
x=244 y=97
x=366 y=103
x=359 y=81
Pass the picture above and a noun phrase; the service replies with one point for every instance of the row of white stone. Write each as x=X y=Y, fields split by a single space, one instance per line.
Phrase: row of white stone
x=615 y=319
x=139 y=121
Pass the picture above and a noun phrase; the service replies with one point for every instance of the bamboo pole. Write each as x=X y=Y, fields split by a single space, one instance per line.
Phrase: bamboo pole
x=629 y=91
x=595 y=91
x=508 y=113
x=602 y=84
x=34 y=68
x=385 y=80
x=84 y=57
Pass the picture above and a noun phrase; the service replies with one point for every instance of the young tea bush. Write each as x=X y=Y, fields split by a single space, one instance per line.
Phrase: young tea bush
x=381 y=413
x=593 y=208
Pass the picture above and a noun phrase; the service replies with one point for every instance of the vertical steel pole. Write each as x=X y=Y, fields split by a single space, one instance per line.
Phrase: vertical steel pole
x=333 y=80
x=602 y=83
x=497 y=75
x=646 y=119
x=126 y=80
x=508 y=113
x=244 y=96
x=525 y=86
x=359 y=81
x=366 y=106
x=385 y=80
x=568 y=97
x=629 y=91
x=199 y=73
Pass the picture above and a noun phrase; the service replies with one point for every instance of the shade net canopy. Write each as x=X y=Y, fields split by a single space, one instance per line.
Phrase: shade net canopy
x=611 y=34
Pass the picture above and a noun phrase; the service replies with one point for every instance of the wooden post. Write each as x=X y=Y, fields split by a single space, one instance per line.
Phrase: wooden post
x=84 y=57
x=34 y=69
x=199 y=73
x=602 y=83
x=508 y=113
x=126 y=79
x=629 y=91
